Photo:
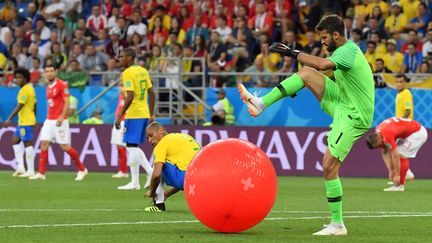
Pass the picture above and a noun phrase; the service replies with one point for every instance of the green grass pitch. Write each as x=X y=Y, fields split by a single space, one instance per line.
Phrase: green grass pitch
x=62 y=210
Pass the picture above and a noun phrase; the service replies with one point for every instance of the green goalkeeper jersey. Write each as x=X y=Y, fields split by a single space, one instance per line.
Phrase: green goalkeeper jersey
x=354 y=79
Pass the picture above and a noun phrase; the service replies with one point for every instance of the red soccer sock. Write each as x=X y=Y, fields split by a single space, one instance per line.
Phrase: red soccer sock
x=43 y=160
x=122 y=159
x=404 y=166
x=75 y=157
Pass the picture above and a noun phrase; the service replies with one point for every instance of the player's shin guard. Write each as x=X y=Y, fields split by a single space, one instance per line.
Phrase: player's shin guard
x=160 y=197
x=404 y=166
x=43 y=160
x=19 y=156
x=75 y=157
x=334 y=197
x=29 y=153
x=133 y=162
x=122 y=159
x=145 y=164
x=288 y=87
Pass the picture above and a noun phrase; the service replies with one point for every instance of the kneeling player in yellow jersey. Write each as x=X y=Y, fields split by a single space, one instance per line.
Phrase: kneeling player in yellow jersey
x=173 y=152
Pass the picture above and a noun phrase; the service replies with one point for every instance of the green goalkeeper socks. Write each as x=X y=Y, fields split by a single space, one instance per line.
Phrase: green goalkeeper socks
x=334 y=197
x=288 y=87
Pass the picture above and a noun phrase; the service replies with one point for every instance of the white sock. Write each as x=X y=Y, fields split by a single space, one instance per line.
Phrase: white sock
x=29 y=151
x=144 y=163
x=160 y=198
x=19 y=156
x=133 y=162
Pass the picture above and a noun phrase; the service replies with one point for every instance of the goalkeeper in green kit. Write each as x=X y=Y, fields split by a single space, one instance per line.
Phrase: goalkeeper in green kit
x=349 y=100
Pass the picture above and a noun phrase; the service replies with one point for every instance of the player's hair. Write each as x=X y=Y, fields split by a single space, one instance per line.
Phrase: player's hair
x=332 y=23
x=129 y=52
x=371 y=140
x=24 y=72
x=401 y=75
x=50 y=65
x=155 y=125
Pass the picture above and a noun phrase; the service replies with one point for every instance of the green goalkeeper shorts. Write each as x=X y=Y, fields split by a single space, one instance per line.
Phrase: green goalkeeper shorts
x=344 y=131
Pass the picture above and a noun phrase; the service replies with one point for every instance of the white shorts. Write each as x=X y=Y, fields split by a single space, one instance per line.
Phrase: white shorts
x=409 y=146
x=117 y=135
x=51 y=132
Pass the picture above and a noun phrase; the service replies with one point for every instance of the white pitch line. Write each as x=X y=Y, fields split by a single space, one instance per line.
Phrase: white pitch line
x=350 y=212
x=196 y=221
x=140 y=210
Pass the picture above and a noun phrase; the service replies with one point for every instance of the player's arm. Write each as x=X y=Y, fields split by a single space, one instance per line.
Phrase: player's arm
x=128 y=101
x=395 y=162
x=308 y=60
x=152 y=103
x=155 y=180
x=406 y=114
x=64 y=111
x=17 y=109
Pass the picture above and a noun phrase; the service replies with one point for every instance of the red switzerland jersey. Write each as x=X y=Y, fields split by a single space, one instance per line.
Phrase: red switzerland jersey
x=394 y=128
x=56 y=93
x=120 y=105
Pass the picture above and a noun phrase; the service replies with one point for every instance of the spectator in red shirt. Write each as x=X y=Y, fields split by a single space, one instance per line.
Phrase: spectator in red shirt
x=96 y=21
x=262 y=22
x=125 y=8
x=413 y=38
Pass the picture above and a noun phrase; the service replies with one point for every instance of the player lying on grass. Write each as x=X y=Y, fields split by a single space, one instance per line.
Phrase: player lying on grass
x=172 y=154
x=349 y=100
x=398 y=139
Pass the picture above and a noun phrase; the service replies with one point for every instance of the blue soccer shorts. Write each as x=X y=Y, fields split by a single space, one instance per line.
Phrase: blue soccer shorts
x=135 y=131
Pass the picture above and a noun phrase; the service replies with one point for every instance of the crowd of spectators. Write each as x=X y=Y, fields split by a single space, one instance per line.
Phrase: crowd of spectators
x=229 y=35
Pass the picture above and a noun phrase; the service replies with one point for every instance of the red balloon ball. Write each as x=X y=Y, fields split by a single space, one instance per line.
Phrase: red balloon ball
x=230 y=185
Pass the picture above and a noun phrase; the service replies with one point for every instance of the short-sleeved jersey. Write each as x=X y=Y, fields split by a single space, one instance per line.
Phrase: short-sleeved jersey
x=137 y=79
x=394 y=128
x=27 y=97
x=404 y=101
x=354 y=79
x=393 y=61
x=120 y=105
x=396 y=23
x=177 y=149
x=56 y=93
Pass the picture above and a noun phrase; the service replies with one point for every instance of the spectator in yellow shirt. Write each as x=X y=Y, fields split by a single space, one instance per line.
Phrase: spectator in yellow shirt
x=393 y=59
x=396 y=22
x=270 y=59
x=381 y=47
x=371 y=54
x=410 y=8
x=378 y=3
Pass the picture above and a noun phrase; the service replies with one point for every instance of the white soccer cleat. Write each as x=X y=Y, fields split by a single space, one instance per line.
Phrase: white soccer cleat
x=27 y=174
x=81 y=174
x=37 y=176
x=254 y=104
x=18 y=173
x=332 y=229
x=147 y=184
x=409 y=175
x=129 y=186
x=120 y=175
x=399 y=188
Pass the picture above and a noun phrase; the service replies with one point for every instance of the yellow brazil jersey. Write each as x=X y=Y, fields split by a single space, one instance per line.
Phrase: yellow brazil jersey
x=394 y=23
x=394 y=62
x=271 y=61
x=137 y=79
x=177 y=149
x=27 y=97
x=410 y=8
x=404 y=101
x=371 y=57
x=382 y=4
